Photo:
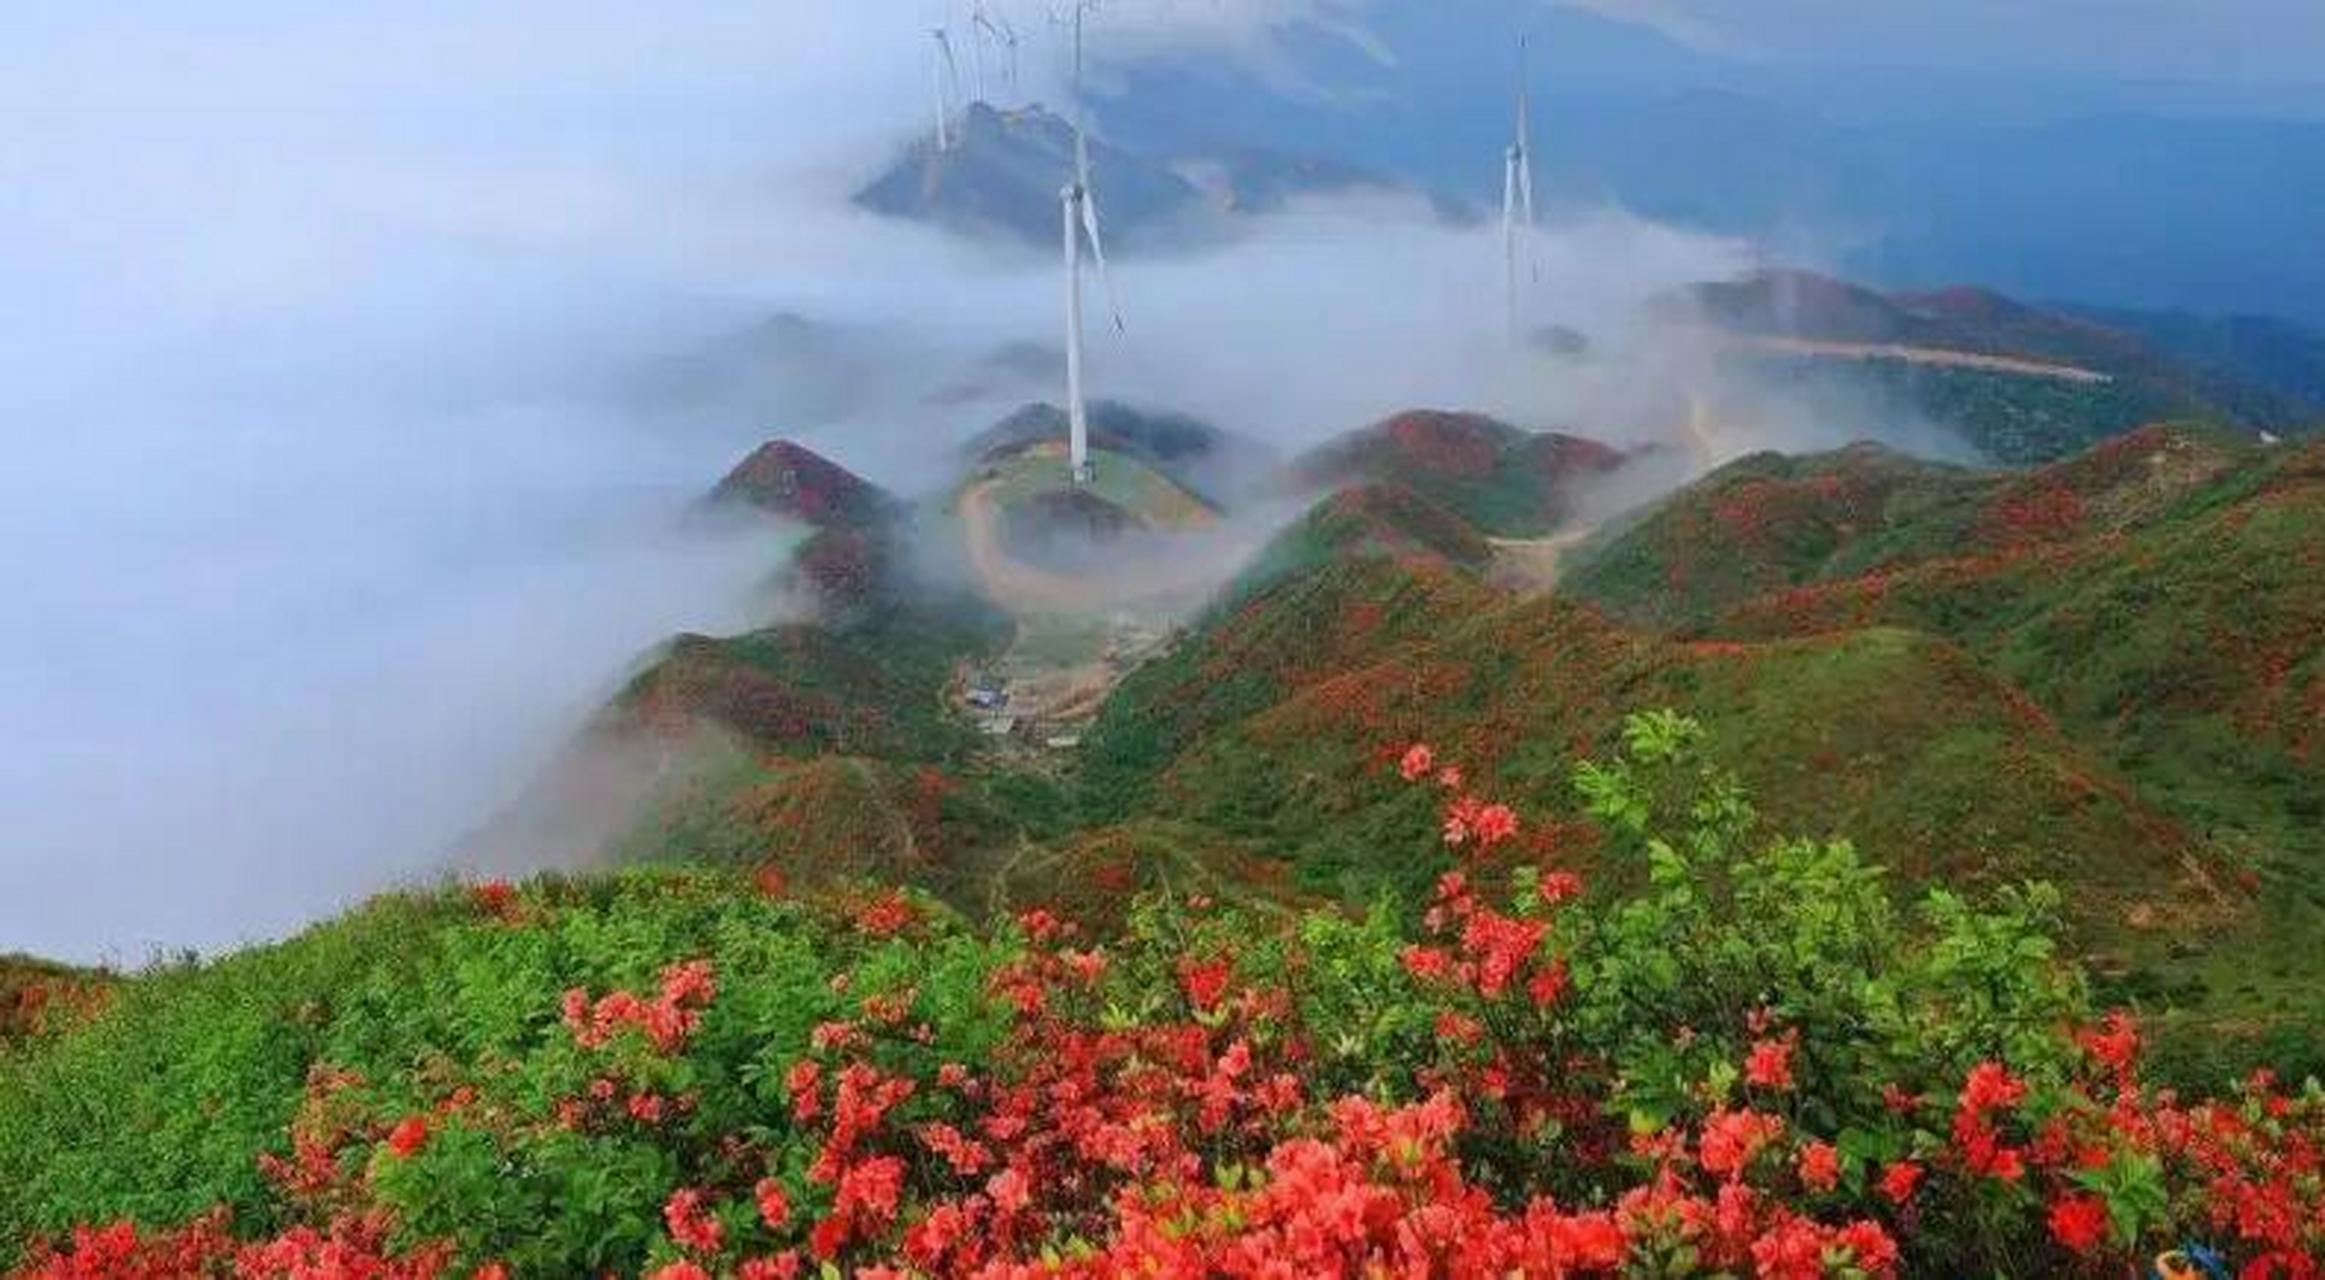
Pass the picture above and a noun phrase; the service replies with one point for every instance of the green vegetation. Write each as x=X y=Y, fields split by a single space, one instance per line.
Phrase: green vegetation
x=2074 y=716
x=875 y=689
x=2158 y=600
x=1149 y=496
x=1502 y=480
x=1736 y=1049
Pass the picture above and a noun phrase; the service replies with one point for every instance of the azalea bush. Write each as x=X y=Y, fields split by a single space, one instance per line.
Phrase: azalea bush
x=1712 y=1057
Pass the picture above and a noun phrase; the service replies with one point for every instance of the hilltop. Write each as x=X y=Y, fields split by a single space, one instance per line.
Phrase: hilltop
x=790 y=481
x=1504 y=480
x=1002 y=174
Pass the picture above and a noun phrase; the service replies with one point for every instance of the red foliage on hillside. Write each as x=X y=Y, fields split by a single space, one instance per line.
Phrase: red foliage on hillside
x=792 y=481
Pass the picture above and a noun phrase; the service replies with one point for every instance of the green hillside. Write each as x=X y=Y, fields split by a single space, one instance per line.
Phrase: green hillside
x=1505 y=481
x=2157 y=599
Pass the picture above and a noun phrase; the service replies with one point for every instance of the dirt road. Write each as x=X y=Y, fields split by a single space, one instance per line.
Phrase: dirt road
x=1529 y=566
x=1937 y=356
x=1026 y=589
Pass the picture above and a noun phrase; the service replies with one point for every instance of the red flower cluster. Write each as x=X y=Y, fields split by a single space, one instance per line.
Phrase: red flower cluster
x=1173 y=1108
x=354 y=1247
x=1990 y=1091
x=667 y=1019
x=495 y=898
x=1467 y=821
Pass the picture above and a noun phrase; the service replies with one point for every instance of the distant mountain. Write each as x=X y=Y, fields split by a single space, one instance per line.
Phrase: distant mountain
x=2276 y=365
x=2148 y=195
x=1803 y=304
x=1002 y=176
x=2023 y=383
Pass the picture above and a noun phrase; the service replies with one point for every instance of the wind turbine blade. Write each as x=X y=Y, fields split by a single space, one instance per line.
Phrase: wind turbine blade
x=978 y=26
x=1525 y=100
x=1512 y=163
x=1524 y=176
x=944 y=42
x=1098 y=257
x=944 y=113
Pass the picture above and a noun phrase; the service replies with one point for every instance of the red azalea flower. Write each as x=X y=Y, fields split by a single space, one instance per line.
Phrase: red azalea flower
x=1769 y=1065
x=774 y=1210
x=2115 y=1043
x=690 y=1221
x=1204 y=982
x=1820 y=1166
x=2079 y=1222
x=1493 y=824
x=409 y=1135
x=1899 y=1180
x=1418 y=761
x=1732 y=1138
x=1990 y=1086
x=1544 y=988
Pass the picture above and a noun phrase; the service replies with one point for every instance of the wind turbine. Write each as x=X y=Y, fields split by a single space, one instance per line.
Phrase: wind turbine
x=978 y=26
x=948 y=87
x=1001 y=33
x=1518 y=204
x=1079 y=203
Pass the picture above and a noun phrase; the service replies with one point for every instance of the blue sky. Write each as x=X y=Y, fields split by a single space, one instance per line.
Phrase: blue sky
x=2225 y=41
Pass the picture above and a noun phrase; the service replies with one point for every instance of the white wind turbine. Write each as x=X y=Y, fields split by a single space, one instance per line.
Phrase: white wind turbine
x=1518 y=205
x=947 y=73
x=1001 y=33
x=977 y=28
x=1080 y=205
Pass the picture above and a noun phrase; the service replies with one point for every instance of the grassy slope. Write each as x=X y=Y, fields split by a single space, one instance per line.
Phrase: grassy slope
x=1768 y=522
x=168 y=1094
x=2105 y=673
x=2162 y=598
x=1154 y=499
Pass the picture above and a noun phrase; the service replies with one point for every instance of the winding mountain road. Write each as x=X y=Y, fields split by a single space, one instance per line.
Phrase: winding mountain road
x=1935 y=356
x=1026 y=589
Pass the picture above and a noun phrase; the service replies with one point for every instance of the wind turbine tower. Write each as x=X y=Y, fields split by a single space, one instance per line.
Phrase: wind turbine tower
x=1079 y=202
x=1518 y=264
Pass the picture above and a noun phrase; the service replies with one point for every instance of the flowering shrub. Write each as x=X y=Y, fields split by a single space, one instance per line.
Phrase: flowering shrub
x=1724 y=1059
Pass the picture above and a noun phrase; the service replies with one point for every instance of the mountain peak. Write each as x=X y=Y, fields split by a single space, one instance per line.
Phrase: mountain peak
x=788 y=479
